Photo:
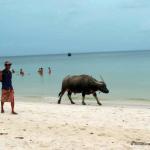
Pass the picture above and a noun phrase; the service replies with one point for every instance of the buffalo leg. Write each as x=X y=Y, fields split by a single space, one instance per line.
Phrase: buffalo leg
x=98 y=102
x=60 y=96
x=69 y=96
x=83 y=97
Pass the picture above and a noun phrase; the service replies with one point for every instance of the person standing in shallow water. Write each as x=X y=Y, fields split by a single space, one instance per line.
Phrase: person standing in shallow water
x=49 y=70
x=40 y=71
x=7 y=88
x=21 y=72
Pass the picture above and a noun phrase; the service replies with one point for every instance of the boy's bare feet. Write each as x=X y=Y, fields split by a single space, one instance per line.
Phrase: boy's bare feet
x=2 y=111
x=14 y=113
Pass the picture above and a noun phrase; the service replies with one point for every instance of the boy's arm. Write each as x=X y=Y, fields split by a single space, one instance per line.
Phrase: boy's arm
x=0 y=76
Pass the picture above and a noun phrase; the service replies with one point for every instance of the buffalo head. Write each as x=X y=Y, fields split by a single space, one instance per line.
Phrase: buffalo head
x=102 y=87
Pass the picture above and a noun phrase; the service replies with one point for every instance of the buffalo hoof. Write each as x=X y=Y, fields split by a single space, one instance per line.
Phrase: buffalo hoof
x=72 y=102
x=83 y=103
x=99 y=104
x=58 y=102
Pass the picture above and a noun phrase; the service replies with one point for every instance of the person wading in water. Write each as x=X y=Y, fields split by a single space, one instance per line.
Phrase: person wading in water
x=7 y=88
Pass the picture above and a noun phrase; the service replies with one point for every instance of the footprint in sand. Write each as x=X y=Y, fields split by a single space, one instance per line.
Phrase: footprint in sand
x=82 y=128
x=50 y=128
x=30 y=140
x=102 y=134
x=65 y=124
x=3 y=133
x=139 y=143
x=91 y=133
x=20 y=137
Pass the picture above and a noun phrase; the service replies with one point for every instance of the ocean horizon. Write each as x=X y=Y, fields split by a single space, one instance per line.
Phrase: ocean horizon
x=75 y=53
x=126 y=73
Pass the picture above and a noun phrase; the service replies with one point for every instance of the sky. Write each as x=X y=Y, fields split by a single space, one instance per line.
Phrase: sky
x=61 y=26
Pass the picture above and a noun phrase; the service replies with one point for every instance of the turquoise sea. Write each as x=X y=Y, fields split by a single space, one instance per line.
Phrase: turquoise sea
x=127 y=74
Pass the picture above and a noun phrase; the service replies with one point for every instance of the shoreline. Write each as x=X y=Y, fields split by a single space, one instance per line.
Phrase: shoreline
x=47 y=126
x=90 y=102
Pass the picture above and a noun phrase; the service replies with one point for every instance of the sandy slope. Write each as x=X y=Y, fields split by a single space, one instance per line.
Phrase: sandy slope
x=44 y=126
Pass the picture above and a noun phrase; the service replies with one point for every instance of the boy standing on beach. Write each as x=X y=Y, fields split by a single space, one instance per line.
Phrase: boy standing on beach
x=7 y=88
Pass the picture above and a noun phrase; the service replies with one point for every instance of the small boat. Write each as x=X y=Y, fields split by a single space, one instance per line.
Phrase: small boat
x=69 y=54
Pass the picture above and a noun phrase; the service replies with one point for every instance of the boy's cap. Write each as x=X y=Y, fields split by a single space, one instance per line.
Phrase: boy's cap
x=7 y=63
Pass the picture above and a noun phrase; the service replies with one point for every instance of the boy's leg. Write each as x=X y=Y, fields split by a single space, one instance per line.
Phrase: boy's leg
x=2 y=107
x=12 y=107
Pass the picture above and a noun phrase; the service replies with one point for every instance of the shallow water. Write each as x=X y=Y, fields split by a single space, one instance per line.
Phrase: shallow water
x=127 y=74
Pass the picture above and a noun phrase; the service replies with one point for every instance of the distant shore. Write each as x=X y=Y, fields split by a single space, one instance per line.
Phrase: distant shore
x=49 y=126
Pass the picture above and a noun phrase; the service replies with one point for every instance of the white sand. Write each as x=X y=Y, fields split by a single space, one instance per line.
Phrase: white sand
x=45 y=126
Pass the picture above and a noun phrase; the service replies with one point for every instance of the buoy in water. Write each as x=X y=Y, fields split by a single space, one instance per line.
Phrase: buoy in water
x=69 y=54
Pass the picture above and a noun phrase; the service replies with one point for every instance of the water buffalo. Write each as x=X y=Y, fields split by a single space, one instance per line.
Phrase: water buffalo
x=84 y=84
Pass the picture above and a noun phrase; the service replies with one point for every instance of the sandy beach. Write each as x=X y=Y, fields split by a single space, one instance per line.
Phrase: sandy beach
x=49 y=126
